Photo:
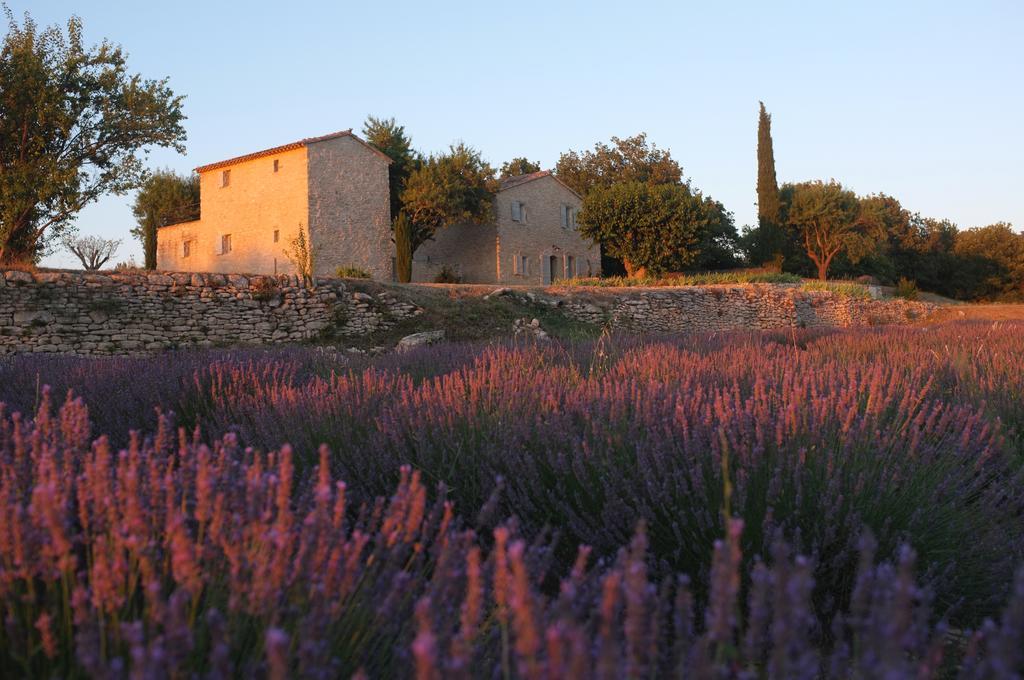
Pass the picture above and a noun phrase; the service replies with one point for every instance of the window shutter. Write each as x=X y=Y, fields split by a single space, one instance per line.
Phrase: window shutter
x=516 y=259
x=565 y=216
x=545 y=268
x=517 y=211
x=526 y=265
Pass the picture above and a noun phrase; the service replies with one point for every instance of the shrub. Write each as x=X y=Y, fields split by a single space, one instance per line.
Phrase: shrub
x=264 y=288
x=447 y=274
x=347 y=272
x=844 y=288
x=906 y=289
x=700 y=279
x=173 y=558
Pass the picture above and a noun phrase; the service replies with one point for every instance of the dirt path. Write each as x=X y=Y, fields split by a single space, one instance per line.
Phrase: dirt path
x=980 y=312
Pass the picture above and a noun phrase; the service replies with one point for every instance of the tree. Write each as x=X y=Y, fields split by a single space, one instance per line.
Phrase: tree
x=301 y=253
x=767 y=185
x=653 y=229
x=719 y=239
x=994 y=257
x=388 y=137
x=518 y=166
x=767 y=241
x=73 y=124
x=449 y=188
x=627 y=160
x=92 y=251
x=828 y=220
x=164 y=198
x=403 y=248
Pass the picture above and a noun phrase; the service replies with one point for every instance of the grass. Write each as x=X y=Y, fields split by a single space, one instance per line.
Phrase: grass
x=844 y=288
x=465 y=316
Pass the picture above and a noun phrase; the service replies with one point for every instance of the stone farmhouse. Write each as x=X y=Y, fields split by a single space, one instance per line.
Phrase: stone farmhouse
x=251 y=208
x=335 y=188
x=533 y=240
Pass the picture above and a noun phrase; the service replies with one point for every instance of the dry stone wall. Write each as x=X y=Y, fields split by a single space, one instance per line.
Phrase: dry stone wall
x=135 y=313
x=132 y=313
x=727 y=307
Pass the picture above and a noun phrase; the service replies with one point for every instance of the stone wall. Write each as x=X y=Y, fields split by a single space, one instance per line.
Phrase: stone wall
x=727 y=307
x=140 y=312
x=132 y=313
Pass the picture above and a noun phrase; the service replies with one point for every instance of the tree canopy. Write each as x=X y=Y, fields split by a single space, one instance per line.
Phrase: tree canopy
x=449 y=188
x=164 y=198
x=652 y=228
x=388 y=137
x=626 y=160
x=993 y=257
x=829 y=219
x=74 y=125
x=518 y=166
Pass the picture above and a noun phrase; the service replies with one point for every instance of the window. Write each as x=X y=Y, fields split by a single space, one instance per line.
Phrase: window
x=225 y=178
x=518 y=211
x=225 y=244
x=277 y=165
x=186 y=248
x=568 y=217
x=570 y=266
x=277 y=232
x=521 y=265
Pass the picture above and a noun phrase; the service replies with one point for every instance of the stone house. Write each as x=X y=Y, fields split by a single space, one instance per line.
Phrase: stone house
x=533 y=241
x=334 y=187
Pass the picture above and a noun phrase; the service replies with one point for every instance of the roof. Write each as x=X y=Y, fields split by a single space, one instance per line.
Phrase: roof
x=510 y=182
x=289 y=147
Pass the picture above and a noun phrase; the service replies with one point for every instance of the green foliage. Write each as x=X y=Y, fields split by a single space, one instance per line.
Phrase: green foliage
x=73 y=123
x=388 y=137
x=653 y=229
x=447 y=275
x=768 y=205
x=628 y=160
x=844 y=288
x=992 y=259
x=906 y=289
x=829 y=220
x=456 y=187
x=347 y=272
x=164 y=198
x=518 y=166
x=403 y=248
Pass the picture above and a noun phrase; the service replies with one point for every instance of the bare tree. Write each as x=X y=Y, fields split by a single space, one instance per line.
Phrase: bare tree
x=92 y=251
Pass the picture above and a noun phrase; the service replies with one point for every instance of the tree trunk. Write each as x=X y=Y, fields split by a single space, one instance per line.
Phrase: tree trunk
x=823 y=270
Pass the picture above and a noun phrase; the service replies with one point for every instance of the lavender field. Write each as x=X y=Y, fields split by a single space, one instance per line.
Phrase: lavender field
x=790 y=504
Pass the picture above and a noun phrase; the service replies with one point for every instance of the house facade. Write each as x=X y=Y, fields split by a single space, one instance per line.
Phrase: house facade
x=533 y=240
x=252 y=207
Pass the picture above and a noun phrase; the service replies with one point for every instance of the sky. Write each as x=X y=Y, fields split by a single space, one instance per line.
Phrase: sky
x=920 y=100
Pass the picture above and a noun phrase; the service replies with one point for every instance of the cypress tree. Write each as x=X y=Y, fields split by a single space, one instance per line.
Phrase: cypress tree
x=403 y=248
x=767 y=185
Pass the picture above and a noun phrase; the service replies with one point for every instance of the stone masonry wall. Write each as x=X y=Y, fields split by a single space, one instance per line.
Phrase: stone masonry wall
x=133 y=313
x=144 y=312
x=728 y=307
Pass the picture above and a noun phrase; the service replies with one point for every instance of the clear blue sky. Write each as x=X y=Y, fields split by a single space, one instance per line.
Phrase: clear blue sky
x=921 y=100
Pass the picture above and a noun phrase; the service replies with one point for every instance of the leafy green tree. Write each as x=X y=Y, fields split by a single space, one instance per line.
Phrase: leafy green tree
x=518 y=166
x=718 y=248
x=627 y=160
x=73 y=125
x=993 y=257
x=653 y=229
x=388 y=137
x=164 y=198
x=450 y=188
x=828 y=220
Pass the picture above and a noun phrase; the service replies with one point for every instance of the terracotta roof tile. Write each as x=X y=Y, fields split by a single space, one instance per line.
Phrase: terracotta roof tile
x=288 y=147
x=510 y=182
